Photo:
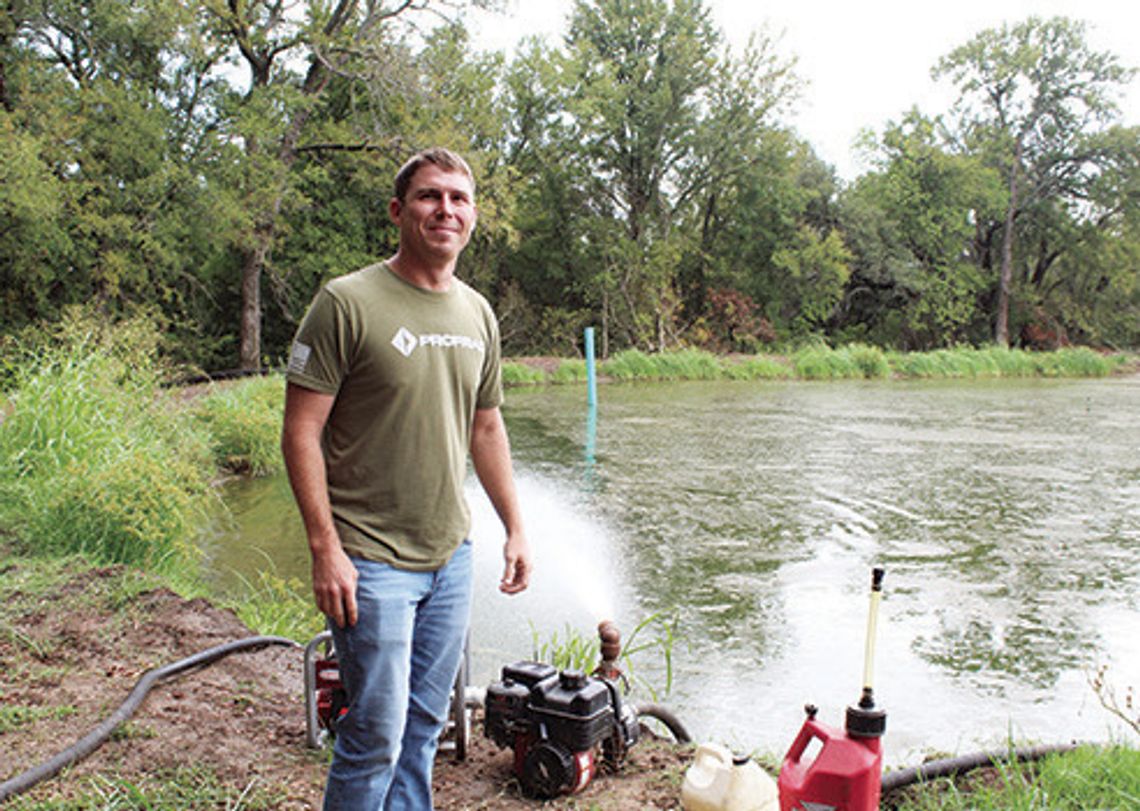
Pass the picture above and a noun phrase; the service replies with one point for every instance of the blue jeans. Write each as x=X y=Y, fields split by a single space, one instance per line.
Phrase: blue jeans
x=398 y=665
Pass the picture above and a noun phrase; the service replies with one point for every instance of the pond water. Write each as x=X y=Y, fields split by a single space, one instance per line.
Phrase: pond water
x=1006 y=515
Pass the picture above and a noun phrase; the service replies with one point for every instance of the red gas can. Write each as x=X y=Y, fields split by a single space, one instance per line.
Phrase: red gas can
x=845 y=773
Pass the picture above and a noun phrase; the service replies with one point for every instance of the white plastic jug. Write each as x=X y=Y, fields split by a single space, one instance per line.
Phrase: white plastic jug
x=718 y=782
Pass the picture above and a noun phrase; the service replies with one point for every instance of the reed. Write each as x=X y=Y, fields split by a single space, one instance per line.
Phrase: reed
x=757 y=367
x=519 y=374
x=630 y=364
x=243 y=421
x=820 y=362
x=570 y=371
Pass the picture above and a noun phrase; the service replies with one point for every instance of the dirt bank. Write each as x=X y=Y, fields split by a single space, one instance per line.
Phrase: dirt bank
x=73 y=654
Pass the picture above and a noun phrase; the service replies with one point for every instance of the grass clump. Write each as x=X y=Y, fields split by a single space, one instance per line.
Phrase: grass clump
x=823 y=363
x=98 y=459
x=243 y=421
x=572 y=370
x=758 y=367
x=520 y=374
x=1086 y=778
x=575 y=650
x=278 y=606
x=630 y=364
x=13 y=717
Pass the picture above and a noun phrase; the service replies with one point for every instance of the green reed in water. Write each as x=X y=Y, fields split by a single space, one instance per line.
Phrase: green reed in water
x=821 y=362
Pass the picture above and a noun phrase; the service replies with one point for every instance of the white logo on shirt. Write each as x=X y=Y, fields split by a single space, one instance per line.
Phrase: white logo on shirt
x=406 y=342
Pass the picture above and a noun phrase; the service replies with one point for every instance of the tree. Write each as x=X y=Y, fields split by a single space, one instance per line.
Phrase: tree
x=336 y=42
x=1034 y=100
x=659 y=115
x=104 y=196
x=911 y=224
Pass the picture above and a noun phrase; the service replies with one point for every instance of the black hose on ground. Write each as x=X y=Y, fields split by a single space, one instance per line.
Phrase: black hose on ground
x=96 y=737
x=665 y=716
x=957 y=765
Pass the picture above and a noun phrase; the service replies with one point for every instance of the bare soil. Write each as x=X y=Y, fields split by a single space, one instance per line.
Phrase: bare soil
x=72 y=657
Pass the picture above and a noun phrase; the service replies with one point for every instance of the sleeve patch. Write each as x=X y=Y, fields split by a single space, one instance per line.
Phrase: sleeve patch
x=299 y=357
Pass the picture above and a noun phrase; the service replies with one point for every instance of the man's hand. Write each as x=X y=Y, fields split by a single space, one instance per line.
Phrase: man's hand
x=334 y=585
x=518 y=565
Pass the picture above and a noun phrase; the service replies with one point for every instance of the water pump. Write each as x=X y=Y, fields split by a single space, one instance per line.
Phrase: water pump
x=557 y=722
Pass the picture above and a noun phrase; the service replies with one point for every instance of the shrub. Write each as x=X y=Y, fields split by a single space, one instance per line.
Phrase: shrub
x=244 y=423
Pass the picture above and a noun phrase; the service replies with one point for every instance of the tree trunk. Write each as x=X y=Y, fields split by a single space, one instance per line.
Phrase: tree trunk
x=250 y=349
x=1001 y=326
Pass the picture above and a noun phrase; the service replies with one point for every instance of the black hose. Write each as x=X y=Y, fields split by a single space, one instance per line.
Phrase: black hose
x=957 y=765
x=665 y=716
x=96 y=737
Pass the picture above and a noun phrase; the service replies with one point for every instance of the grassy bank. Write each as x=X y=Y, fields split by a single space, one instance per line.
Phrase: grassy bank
x=852 y=362
x=103 y=461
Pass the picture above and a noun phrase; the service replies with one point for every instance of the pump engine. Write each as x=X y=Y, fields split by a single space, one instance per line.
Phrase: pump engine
x=556 y=723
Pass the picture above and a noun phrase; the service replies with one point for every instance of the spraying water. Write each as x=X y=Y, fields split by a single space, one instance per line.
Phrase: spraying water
x=577 y=581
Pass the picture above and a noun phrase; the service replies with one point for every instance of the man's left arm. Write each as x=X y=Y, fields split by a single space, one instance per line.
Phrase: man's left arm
x=491 y=455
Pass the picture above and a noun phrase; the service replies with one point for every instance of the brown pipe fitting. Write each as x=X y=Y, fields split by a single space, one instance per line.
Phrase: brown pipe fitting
x=611 y=649
x=611 y=640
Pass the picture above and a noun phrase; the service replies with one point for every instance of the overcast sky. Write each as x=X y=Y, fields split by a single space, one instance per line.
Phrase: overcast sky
x=865 y=61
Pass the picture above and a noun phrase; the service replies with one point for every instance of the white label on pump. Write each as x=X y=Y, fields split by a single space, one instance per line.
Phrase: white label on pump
x=817 y=807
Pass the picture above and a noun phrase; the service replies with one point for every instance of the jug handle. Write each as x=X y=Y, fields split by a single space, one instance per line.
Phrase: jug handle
x=708 y=751
x=810 y=729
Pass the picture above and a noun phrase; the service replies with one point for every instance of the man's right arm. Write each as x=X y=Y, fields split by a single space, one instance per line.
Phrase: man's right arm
x=334 y=576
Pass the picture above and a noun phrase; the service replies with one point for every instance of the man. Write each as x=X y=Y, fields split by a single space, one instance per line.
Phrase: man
x=393 y=379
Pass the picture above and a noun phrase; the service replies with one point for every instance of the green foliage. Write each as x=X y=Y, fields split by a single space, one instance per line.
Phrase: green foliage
x=635 y=175
x=1089 y=777
x=572 y=651
x=1035 y=102
x=520 y=374
x=97 y=459
x=243 y=421
x=575 y=650
x=994 y=361
x=758 y=367
x=570 y=371
x=278 y=606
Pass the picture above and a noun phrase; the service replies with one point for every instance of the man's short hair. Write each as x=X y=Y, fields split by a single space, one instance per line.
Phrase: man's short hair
x=438 y=156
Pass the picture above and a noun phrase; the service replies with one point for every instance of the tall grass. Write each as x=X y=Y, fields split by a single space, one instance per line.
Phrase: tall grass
x=243 y=421
x=97 y=459
x=821 y=362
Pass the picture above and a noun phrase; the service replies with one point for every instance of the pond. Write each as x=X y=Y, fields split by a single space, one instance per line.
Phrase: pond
x=1006 y=515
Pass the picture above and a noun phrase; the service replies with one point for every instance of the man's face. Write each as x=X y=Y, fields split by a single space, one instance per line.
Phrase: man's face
x=437 y=214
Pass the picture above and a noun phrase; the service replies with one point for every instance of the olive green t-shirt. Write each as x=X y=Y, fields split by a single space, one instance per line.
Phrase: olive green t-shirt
x=408 y=367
